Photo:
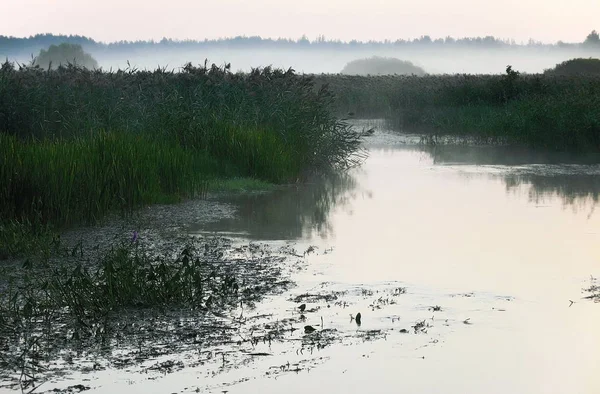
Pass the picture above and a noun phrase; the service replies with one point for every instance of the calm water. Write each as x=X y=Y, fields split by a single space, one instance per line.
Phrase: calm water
x=500 y=239
x=490 y=222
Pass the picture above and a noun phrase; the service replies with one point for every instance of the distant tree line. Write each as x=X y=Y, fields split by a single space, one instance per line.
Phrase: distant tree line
x=11 y=45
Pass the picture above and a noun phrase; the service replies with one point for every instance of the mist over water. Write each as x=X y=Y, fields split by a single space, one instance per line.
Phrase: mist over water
x=316 y=59
x=331 y=61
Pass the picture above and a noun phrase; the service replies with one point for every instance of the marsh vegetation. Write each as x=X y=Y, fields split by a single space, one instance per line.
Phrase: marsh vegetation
x=77 y=144
x=541 y=111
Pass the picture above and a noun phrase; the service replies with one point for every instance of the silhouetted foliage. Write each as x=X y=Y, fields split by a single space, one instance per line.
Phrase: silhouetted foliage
x=576 y=66
x=381 y=66
x=553 y=112
x=593 y=39
x=27 y=45
x=64 y=54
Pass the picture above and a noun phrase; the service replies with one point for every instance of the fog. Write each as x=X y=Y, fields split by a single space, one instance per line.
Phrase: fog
x=474 y=56
x=327 y=61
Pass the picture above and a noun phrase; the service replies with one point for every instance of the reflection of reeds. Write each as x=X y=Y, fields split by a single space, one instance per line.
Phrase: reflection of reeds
x=291 y=212
x=574 y=190
x=573 y=178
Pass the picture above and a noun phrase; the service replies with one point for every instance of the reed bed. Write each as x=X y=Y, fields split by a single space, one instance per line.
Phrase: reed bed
x=76 y=144
x=82 y=179
x=545 y=111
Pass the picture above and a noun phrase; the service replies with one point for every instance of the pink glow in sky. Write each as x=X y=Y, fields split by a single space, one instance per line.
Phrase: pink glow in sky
x=113 y=20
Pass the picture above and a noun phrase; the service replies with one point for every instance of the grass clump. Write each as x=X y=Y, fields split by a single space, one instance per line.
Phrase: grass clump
x=25 y=238
x=593 y=290
x=126 y=277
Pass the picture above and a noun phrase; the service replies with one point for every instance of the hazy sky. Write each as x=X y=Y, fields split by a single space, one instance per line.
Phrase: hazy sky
x=111 y=20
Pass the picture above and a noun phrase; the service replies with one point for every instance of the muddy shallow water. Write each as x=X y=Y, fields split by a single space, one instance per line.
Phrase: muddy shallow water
x=463 y=262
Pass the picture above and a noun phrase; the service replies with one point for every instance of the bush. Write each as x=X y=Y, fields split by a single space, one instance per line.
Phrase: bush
x=64 y=54
x=381 y=66
x=576 y=67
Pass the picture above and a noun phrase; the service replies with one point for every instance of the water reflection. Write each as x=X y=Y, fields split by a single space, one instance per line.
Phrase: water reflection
x=290 y=213
x=505 y=155
x=575 y=179
x=303 y=211
x=579 y=191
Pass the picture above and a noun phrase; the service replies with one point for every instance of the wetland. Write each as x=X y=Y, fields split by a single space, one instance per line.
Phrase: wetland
x=467 y=299
x=211 y=231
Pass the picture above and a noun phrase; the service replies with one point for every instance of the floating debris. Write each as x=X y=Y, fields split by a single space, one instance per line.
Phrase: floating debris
x=421 y=327
x=309 y=329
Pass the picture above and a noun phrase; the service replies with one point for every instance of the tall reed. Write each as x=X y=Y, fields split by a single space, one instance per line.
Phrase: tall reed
x=542 y=111
x=76 y=144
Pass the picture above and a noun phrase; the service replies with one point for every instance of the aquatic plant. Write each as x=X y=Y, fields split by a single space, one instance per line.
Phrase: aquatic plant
x=128 y=295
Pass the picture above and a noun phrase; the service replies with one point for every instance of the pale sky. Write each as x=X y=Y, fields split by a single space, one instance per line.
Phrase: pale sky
x=113 y=20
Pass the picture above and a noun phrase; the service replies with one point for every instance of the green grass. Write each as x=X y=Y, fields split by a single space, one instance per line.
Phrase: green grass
x=235 y=185
x=25 y=238
x=82 y=179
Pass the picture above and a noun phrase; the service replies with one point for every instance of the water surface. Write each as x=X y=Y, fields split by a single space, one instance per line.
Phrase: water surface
x=466 y=263
x=503 y=237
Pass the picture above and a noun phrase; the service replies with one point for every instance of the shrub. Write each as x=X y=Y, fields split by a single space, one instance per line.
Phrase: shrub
x=381 y=66
x=578 y=66
x=64 y=54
